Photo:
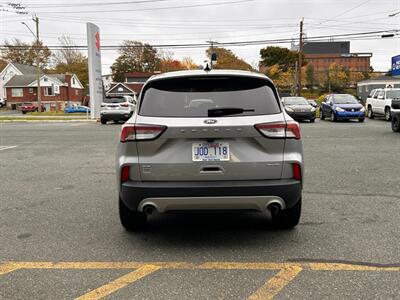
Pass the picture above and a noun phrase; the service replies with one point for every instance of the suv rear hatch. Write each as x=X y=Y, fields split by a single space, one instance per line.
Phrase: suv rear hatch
x=115 y=104
x=195 y=140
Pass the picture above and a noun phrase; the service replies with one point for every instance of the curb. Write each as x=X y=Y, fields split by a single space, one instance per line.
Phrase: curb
x=47 y=121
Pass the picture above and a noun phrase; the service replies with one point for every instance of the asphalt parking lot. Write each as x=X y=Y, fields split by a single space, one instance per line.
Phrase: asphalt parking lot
x=60 y=235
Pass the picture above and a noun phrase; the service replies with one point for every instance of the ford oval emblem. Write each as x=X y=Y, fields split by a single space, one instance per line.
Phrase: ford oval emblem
x=210 y=121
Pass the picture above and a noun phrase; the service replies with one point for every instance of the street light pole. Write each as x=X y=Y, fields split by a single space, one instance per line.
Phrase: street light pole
x=39 y=96
x=299 y=87
x=37 y=42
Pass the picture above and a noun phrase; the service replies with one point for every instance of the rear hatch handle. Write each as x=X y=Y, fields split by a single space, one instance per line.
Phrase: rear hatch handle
x=214 y=170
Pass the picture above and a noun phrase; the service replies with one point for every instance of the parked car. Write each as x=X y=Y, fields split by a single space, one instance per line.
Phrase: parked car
x=216 y=140
x=2 y=102
x=396 y=115
x=30 y=107
x=342 y=107
x=313 y=103
x=76 y=109
x=117 y=109
x=379 y=102
x=299 y=108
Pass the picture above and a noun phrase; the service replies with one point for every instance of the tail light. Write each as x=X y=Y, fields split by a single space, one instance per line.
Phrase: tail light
x=280 y=130
x=297 y=172
x=141 y=132
x=124 y=174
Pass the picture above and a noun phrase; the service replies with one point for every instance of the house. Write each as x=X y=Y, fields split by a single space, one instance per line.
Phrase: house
x=57 y=90
x=366 y=86
x=321 y=55
x=13 y=69
x=132 y=86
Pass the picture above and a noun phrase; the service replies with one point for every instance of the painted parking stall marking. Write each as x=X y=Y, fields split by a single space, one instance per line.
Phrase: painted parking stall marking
x=286 y=272
x=7 y=147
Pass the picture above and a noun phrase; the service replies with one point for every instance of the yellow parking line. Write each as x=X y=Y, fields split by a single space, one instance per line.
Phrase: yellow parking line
x=119 y=283
x=347 y=267
x=8 y=267
x=273 y=286
x=246 y=266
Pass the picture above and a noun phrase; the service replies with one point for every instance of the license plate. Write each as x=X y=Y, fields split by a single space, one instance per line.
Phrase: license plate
x=210 y=152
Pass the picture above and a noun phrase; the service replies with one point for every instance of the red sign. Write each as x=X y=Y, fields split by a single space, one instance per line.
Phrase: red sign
x=97 y=41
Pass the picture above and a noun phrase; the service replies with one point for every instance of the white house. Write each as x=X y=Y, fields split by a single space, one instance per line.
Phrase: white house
x=13 y=69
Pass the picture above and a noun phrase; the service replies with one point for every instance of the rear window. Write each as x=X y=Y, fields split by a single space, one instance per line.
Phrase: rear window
x=392 y=94
x=194 y=96
x=114 y=100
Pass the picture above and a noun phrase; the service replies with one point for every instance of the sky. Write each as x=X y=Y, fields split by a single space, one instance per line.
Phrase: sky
x=166 y=22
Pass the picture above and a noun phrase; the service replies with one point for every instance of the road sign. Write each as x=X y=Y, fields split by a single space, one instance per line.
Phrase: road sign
x=94 y=59
x=396 y=65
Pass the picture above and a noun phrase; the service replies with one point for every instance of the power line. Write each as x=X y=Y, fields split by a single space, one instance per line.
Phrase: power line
x=366 y=35
x=149 y=9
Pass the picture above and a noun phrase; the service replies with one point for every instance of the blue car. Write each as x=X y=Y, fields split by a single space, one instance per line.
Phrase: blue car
x=77 y=109
x=342 y=107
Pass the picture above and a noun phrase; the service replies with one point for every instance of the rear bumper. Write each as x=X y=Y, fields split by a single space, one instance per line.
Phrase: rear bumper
x=115 y=115
x=216 y=195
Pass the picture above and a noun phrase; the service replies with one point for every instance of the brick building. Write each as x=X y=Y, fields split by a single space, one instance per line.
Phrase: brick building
x=321 y=55
x=57 y=90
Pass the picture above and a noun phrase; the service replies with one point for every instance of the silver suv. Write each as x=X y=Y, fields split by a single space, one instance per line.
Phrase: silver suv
x=217 y=140
x=117 y=109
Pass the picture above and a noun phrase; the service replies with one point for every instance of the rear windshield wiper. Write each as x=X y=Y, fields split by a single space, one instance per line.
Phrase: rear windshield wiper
x=226 y=111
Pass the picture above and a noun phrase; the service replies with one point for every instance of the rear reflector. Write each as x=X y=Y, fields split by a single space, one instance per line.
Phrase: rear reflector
x=141 y=132
x=297 y=172
x=124 y=174
x=280 y=130
x=124 y=104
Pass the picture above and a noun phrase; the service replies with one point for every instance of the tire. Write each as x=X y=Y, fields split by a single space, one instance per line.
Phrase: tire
x=103 y=121
x=333 y=117
x=361 y=120
x=322 y=117
x=388 y=116
x=288 y=218
x=396 y=123
x=370 y=113
x=24 y=112
x=131 y=220
x=312 y=120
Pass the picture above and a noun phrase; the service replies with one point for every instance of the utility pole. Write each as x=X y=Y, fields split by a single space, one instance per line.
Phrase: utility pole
x=299 y=87
x=213 y=56
x=39 y=96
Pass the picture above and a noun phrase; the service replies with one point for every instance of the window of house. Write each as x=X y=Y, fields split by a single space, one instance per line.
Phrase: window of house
x=76 y=92
x=30 y=90
x=49 y=91
x=45 y=79
x=73 y=80
x=17 y=92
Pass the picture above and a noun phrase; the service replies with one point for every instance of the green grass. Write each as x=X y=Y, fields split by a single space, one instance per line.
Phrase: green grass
x=53 y=113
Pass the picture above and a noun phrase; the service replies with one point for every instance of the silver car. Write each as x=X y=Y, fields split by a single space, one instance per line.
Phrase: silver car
x=217 y=140
x=117 y=109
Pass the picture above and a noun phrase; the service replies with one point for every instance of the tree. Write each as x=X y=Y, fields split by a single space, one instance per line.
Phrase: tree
x=282 y=57
x=3 y=64
x=134 y=56
x=24 y=53
x=337 y=78
x=310 y=80
x=69 y=60
x=189 y=64
x=226 y=59
x=168 y=63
